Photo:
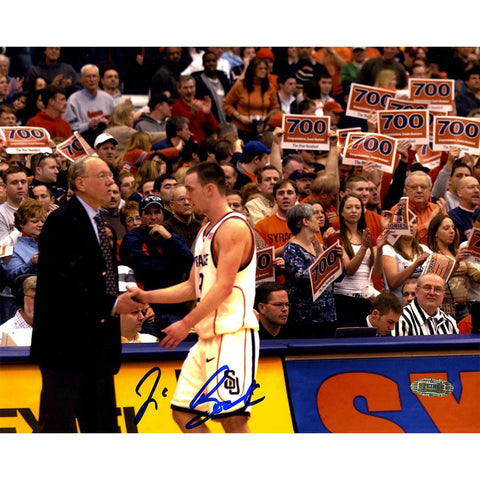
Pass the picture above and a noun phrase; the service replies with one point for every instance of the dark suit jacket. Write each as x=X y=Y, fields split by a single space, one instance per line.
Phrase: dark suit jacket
x=72 y=320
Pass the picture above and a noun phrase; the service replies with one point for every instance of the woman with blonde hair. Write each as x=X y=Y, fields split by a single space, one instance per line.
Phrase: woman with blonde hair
x=386 y=78
x=120 y=125
x=135 y=152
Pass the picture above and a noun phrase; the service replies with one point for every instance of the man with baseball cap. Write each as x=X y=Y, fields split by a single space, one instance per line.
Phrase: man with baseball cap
x=158 y=258
x=160 y=110
x=254 y=158
x=302 y=179
x=105 y=147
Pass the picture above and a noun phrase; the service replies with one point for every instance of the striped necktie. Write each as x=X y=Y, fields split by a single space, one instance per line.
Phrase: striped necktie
x=111 y=284
x=432 y=325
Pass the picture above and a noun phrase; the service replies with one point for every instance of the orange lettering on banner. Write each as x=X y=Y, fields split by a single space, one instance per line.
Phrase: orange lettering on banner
x=336 y=409
x=449 y=415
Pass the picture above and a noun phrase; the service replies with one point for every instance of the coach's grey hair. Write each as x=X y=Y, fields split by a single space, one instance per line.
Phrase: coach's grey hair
x=77 y=169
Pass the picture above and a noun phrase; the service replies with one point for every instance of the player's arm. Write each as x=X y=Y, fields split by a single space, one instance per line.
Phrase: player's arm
x=233 y=244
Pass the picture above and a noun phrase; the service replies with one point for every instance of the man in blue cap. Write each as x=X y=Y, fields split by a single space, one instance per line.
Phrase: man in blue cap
x=254 y=159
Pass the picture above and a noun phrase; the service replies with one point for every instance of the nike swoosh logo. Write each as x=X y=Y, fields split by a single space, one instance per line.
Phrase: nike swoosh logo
x=210 y=359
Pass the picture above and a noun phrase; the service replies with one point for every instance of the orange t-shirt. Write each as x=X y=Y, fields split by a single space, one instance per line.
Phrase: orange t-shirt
x=274 y=231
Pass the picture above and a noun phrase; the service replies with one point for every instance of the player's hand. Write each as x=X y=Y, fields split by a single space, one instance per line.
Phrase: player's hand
x=175 y=334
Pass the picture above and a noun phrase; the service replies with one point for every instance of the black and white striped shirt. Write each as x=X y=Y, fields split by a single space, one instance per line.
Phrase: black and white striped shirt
x=415 y=321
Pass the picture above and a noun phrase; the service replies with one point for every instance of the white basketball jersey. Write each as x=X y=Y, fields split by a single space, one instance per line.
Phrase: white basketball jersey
x=236 y=311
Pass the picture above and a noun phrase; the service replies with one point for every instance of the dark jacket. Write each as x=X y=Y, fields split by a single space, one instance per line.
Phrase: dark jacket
x=73 y=325
x=202 y=91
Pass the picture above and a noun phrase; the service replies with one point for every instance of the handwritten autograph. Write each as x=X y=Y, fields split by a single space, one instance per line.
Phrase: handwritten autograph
x=199 y=399
x=218 y=406
x=150 y=398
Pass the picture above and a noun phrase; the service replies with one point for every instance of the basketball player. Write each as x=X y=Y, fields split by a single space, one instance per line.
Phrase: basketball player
x=218 y=376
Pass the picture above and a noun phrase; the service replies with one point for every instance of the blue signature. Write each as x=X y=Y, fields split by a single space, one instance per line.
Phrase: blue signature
x=150 y=398
x=218 y=406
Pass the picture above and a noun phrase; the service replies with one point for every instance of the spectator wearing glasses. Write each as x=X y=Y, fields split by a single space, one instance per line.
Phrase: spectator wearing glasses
x=423 y=316
x=272 y=308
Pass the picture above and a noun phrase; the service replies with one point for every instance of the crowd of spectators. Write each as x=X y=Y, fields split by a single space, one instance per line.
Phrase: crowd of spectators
x=225 y=105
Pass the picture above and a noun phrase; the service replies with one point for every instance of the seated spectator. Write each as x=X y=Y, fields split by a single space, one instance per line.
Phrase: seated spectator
x=130 y=326
x=25 y=290
x=272 y=309
x=385 y=313
x=360 y=260
x=158 y=258
x=308 y=319
x=403 y=260
x=55 y=102
x=29 y=220
x=423 y=316
x=408 y=290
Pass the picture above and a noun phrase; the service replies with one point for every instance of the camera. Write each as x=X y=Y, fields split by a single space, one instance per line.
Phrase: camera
x=257 y=123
